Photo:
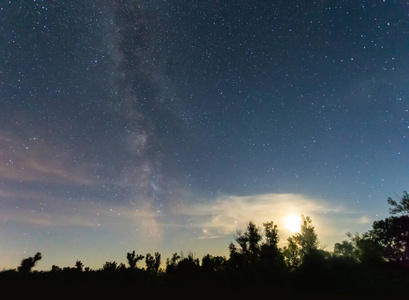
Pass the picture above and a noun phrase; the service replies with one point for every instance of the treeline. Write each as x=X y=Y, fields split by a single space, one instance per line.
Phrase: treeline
x=375 y=262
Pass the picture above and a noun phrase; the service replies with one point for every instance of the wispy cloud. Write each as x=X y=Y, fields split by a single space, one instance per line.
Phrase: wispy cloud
x=74 y=195
x=44 y=217
x=208 y=219
x=364 y=220
x=34 y=160
x=64 y=214
x=226 y=214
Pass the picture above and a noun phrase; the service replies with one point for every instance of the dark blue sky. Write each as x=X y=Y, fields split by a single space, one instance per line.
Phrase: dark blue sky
x=165 y=125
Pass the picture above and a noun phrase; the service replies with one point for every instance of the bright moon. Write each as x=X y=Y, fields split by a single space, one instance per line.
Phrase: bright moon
x=293 y=223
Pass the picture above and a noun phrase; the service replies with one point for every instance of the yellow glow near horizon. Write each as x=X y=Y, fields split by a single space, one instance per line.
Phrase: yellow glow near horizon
x=293 y=223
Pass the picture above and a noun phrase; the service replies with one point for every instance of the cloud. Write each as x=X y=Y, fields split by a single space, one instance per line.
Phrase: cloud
x=33 y=160
x=46 y=187
x=42 y=217
x=364 y=220
x=212 y=219
x=65 y=214
x=227 y=213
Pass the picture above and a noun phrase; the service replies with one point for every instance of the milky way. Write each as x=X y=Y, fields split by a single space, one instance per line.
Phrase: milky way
x=166 y=125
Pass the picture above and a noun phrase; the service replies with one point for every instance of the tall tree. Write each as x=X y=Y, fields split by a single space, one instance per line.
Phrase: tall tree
x=171 y=263
x=307 y=239
x=249 y=243
x=291 y=253
x=392 y=234
x=301 y=243
x=271 y=255
x=271 y=234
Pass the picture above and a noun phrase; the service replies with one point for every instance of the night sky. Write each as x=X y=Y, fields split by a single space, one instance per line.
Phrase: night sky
x=167 y=125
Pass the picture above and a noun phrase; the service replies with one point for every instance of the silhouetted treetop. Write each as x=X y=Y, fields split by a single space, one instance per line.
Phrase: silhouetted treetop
x=249 y=243
x=212 y=263
x=79 y=266
x=110 y=266
x=345 y=249
x=271 y=234
x=392 y=234
x=301 y=243
x=133 y=259
x=402 y=207
x=28 y=263
x=153 y=262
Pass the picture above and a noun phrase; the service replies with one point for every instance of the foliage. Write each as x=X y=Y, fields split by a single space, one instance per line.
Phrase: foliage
x=301 y=244
x=292 y=254
x=133 y=259
x=402 y=207
x=79 y=266
x=171 y=263
x=110 y=266
x=271 y=255
x=153 y=262
x=345 y=249
x=55 y=268
x=179 y=264
x=188 y=265
x=249 y=246
x=392 y=234
x=271 y=234
x=28 y=263
x=213 y=264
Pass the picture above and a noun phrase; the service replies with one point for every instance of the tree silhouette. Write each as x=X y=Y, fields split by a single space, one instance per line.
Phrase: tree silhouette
x=28 y=263
x=55 y=268
x=133 y=259
x=271 y=234
x=307 y=239
x=392 y=234
x=271 y=255
x=235 y=258
x=212 y=263
x=109 y=266
x=172 y=262
x=292 y=254
x=249 y=243
x=345 y=249
x=366 y=250
x=153 y=262
x=79 y=266
x=188 y=265
x=301 y=243
x=402 y=207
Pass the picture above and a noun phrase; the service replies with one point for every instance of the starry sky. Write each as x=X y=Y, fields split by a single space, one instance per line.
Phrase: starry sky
x=167 y=125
